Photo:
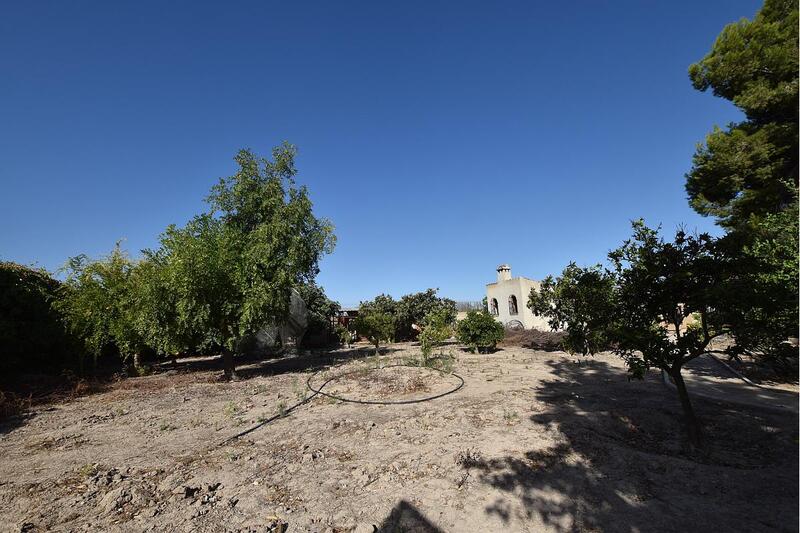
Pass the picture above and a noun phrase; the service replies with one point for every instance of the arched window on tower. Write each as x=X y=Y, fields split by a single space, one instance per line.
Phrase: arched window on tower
x=512 y=305
x=493 y=307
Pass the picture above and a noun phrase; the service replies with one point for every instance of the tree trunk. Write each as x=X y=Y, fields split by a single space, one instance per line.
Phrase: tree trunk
x=228 y=364
x=692 y=424
x=174 y=360
x=137 y=360
x=377 y=348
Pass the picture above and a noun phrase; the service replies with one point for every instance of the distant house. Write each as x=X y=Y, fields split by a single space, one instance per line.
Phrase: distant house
x=345 y=317
x=507 y=300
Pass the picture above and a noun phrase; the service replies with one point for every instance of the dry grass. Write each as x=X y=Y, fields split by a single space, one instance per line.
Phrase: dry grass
x=13 y=405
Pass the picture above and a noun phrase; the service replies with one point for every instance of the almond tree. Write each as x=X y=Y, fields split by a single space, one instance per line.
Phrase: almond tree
x=230 y=271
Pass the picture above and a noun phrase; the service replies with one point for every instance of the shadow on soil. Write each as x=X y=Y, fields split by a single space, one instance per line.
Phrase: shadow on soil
x=20 y=394
x=404 y=517
x=622 y=464
x=248 y=367
x=18 y=398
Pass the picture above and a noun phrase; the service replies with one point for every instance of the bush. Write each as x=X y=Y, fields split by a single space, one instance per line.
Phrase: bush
x=32 y=333
x=479 y=330
x=438 y=327
x=344 y=335
x=99 y=302
x=320 y=332
x=377 y=326
x=415 y=308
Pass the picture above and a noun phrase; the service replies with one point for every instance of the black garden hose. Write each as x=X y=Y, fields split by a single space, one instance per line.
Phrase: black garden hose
x=349 y=400
x=379 y=402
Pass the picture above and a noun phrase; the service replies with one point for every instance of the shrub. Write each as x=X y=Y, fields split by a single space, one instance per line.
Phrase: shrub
x=344 y=335
x=99 y=304
x=414 y=308
x=377 y=326
x=319 y=333
x=479 y=330
x=438 y=327
x=32 y=333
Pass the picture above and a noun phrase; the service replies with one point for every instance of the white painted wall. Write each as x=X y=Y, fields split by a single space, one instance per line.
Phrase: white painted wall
x=521 y=288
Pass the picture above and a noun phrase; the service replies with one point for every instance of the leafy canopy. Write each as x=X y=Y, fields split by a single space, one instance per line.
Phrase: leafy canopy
x=750 y=168
x=376 y=325
x=479 y=330
x=413 y=308
x=99 y=303
x=638 y=307
x=747 y=177
x=231 y=270
x=320 y=309
x=580 y=303
x=437 y=328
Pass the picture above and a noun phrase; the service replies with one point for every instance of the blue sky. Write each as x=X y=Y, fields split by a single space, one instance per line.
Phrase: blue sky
x=441 y=138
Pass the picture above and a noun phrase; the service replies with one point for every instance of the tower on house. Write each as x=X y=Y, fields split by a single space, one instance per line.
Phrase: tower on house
x=507 y=299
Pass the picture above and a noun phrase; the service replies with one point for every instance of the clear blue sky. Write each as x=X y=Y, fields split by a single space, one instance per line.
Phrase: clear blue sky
x=441 y=138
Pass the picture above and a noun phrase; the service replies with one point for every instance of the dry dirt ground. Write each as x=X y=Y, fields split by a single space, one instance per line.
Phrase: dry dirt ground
x=534 y=441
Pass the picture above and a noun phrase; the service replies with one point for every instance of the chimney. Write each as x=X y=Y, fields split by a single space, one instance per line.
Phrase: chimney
x=503 y=272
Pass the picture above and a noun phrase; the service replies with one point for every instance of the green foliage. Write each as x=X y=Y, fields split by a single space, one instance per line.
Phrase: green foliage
x=225 y=274
x=99 y=303
x=637 y=307
x=579 y=302
x=270 y=226
x=658 y=285
x=437 y=328
x=383 y=303
x=747 y=175
x=751 y=167
x=375 y=324
x=754 y=63
x=413 y=308
x=230 y=271
x=320 y=310
x=479 y=330
x=344 y=335
x=202 y=273
x=32 y=332
x=759 y=302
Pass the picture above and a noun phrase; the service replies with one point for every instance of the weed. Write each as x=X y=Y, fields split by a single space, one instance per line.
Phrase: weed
x=468 y=458
x=230 y=409
x=281 y=408
x=300 y=391
x=87 y=470
x=415 y=384
x=511 y=417
x=232 y=457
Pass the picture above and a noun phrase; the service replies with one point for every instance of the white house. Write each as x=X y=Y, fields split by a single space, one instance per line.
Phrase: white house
x=507 y=299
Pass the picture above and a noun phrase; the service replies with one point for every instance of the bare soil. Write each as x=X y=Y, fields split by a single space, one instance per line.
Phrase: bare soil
x=534 y=441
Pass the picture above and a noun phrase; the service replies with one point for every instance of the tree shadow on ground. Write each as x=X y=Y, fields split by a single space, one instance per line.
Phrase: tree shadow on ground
x=250 y=366
x=619 y=461
x=405 y=518
x=25 y=394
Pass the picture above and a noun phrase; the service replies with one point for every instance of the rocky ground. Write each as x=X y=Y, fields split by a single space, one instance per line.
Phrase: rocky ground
x=534 y=441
